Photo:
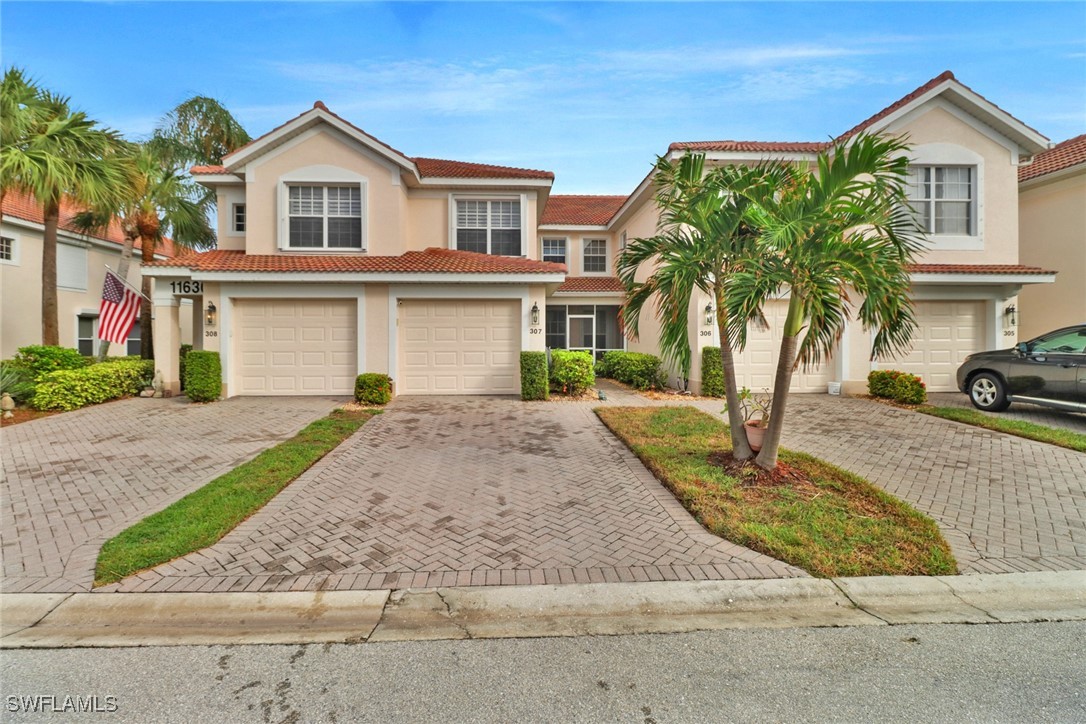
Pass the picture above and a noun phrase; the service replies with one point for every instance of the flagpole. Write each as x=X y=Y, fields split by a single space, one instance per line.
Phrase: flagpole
x=125 y=282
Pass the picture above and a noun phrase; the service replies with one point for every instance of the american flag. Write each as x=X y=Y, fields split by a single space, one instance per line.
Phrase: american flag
x=120 y=307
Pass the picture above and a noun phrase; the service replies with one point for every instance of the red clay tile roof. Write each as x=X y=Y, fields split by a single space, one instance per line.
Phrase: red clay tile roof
x=208 y=169
x=442 y=168
x=753 y=146
x=1071 y=152
x=581 y=210
x=976 y=269
x=433 y=260
x=24 y=206
x=901 y=102
x=589 y=285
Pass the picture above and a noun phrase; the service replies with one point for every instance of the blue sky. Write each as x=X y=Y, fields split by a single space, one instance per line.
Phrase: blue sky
x=591 y=91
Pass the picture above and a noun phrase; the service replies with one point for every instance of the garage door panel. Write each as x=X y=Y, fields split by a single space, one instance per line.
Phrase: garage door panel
x=450 y=347
x=292 y=347
x=947 y=332
x=756 y=365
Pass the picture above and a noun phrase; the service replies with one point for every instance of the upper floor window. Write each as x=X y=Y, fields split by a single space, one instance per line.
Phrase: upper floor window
x=72 y=267
x=622 y=241
x=7 y=249
x=488 y=227
x=595 y=255
x=324 y=217
x=239 y=218
x=554 y=250
x=944 y=199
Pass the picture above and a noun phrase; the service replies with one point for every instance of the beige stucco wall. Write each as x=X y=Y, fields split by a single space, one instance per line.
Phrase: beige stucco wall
x=1052 y=228
x=575 y=240
x=226 y=198
x=997 y=209
x=20 y=290
x=376 y=329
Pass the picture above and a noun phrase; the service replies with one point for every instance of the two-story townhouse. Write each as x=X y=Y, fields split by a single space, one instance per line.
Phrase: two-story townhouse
x=339 y=254
x=82 y=260
x=1052 y=234
x=965 y=156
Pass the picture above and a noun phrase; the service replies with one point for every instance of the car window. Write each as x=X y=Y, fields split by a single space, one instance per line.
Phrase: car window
x=1069 y=341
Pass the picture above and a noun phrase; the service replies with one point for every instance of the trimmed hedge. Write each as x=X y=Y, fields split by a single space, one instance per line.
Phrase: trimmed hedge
x=72 y=389
x=203 y=376
x=640 y=371
x=572 y=372
x=712 y=372
x=373 y=388
x=897 y=386
x=42 y=359
x=185 y=349
x=533 y=376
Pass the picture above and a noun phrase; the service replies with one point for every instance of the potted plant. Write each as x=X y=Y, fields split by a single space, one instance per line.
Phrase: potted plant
x=755 y=411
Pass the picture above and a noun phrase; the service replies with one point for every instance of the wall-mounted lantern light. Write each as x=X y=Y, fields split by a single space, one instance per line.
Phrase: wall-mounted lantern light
x=1011 y=313
x=209 y=314
x=710 y=318
x=535 y=315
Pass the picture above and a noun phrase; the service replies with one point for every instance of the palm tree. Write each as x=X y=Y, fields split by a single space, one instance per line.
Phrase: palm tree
x=161 y=201
x=199 y=130
x=55 y=153
x=824 y=235
x=703 y=233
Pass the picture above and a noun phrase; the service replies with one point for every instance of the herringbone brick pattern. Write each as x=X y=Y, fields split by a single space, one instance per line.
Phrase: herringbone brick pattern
x=72 y=481
x=467 y=491
x=1073 y=421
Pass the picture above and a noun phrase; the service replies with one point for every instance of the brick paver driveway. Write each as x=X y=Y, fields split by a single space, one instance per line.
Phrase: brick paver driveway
x=466 y=491
x=1073 y=421
x=72 y=481
x=1004 y=504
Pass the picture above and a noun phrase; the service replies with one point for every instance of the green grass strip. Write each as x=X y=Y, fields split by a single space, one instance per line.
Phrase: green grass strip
x=203 y=517
x=1029 y=430
x=833 y=523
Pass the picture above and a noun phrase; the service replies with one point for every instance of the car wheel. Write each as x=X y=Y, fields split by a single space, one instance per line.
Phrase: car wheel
x=986 y=392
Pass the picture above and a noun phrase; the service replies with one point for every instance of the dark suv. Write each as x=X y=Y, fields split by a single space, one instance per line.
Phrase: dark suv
x=1049 y=370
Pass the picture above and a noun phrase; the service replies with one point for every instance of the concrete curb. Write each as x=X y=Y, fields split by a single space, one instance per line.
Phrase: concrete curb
x=164 y=619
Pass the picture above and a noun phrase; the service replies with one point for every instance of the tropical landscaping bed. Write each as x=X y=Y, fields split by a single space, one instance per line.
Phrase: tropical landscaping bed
x=203 y=517
x=807 y=513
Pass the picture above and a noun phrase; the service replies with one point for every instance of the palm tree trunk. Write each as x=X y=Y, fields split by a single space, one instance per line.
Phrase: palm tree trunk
x=147 y=347
x=50 y=326
x=793 y=324
x=740 y=447
x=122 y=271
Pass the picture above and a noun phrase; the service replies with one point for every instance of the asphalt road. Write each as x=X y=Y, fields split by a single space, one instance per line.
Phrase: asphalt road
x=952 y=673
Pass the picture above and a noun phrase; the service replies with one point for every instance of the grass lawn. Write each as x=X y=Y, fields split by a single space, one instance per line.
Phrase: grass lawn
x=202 y=517
x=827 y=521
x=1031 y=430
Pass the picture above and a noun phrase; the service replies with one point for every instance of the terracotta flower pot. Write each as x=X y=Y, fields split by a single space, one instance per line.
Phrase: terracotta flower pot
x=755 y=435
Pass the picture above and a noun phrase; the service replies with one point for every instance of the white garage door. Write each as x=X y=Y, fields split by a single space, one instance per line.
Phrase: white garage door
x=295 y=347
x=756 y=365
x=457 y=347
x=946 y=333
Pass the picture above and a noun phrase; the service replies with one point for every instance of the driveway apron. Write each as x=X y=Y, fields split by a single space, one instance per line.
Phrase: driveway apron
x=72 y=481
x=466 y=491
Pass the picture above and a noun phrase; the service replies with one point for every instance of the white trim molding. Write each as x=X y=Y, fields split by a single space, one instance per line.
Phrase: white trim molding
x=321 y=176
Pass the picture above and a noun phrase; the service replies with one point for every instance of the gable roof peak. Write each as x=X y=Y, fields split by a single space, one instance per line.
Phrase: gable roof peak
x=320 y=104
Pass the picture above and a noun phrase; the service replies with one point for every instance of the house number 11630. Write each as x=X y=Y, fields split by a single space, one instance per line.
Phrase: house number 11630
x=187 y=287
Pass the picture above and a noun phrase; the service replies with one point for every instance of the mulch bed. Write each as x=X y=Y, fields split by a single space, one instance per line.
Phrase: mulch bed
x=24 y=414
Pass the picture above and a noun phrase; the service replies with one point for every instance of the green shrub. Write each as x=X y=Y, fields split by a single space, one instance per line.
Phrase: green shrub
x=712 y=372
x=533 y=376
x=185 y=349
x=42 y=359
x=373 y=388
x=880 y=383
x=203 y=376
x=603 y=368
x=640 y=371
x=15 y=380
x=72 y=389
x=898 y=386
x=572 y=372
x=910 y=390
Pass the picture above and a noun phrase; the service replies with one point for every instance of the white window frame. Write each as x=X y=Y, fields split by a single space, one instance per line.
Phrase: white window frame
x=86 y=262
x=139 y=333
x=565 y=247
x=321 y=175
x=15 y=246
x=952 y=155
x=584 y=256
x=933 y=202
x=593 y=350
x=95 y=342
x=521 y=199
x=234 y=209
x=622 y=241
